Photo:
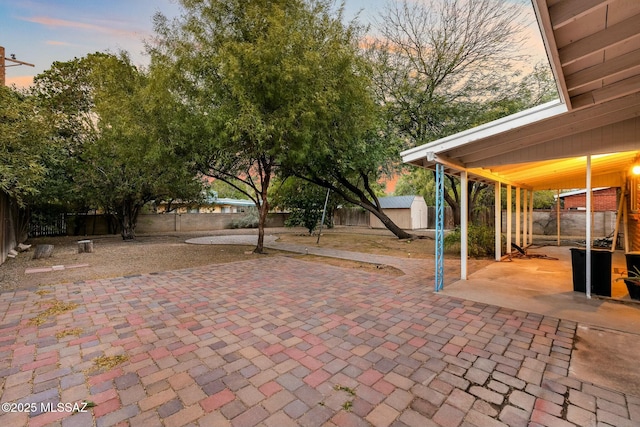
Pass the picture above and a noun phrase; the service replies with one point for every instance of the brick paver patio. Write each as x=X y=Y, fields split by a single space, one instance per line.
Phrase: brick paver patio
x=283 y=342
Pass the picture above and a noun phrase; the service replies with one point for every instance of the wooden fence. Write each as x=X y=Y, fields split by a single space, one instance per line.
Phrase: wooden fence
x=7 y=235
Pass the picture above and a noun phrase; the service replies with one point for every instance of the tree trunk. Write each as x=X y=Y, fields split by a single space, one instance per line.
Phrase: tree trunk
x=455 y=209
x=262 y=220
x=356 y=196
x=128 y=231
x=264 y=168
x=391 y=226
x=128 y=218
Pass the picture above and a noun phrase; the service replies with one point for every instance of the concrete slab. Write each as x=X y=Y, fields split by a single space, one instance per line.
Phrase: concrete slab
x=546 y=287
x=606 y=358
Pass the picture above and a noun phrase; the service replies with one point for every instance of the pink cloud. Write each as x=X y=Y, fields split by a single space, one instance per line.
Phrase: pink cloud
x=63 y=23
x=57 y=43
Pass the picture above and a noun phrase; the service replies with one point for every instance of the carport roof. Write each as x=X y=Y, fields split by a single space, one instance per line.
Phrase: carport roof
x=594 y=51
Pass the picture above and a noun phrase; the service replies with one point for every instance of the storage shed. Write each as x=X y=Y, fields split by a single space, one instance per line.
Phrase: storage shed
x=408 y=212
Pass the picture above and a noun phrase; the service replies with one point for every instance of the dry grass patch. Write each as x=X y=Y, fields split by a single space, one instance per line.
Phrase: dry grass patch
x=366 y=243
x=106 y=363
x=69 y=332
x=57 y=307
x=113 y=257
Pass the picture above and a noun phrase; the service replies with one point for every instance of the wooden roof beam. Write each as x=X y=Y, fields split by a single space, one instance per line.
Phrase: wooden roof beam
x=628 y=61
x=566 y=12
x=597 y=42
x=541 y=10
x=607 y=93
x=453 y=167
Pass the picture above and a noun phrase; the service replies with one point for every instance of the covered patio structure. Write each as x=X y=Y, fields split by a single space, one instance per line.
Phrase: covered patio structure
x=590 y=137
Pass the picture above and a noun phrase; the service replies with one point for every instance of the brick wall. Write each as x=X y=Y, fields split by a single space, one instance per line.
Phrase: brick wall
x=634 y=232
x=603 y=200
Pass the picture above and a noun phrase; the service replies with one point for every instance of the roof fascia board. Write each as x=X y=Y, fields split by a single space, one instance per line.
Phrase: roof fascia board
x=531 y=115
x=541 y=10
x=431 y=159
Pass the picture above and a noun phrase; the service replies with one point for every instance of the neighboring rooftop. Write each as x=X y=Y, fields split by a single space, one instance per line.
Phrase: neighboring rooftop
x=396 y=202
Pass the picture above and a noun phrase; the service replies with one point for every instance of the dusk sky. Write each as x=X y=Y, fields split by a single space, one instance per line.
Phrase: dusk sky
x=43 y=31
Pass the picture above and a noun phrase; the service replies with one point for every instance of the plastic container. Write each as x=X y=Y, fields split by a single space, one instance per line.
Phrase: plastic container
x=600 y=271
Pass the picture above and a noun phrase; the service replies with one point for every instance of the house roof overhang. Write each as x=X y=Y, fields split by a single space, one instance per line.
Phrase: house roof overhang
x=594 y=51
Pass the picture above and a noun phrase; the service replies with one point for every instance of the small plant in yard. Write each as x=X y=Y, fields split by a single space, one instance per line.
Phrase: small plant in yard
x=349 y=390
x=481 y=241
x=249 y=220
x=348 y=404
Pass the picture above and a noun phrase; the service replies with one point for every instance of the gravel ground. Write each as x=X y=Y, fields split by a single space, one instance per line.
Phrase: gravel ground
x=113 y=257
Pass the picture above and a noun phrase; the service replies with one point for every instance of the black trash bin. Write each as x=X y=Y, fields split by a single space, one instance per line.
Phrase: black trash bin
x=600 y=271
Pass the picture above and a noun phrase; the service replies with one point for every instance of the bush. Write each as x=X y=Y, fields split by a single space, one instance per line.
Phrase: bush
x=306 y=218
x=309 y=219
x=250 y=220
x=481 y=241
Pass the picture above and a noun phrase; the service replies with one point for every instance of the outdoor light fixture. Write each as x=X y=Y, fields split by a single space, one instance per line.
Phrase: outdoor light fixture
x=636 y=170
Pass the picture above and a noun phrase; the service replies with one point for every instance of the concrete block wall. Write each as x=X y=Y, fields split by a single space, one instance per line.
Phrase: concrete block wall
x=164 y=223
x=572 y=223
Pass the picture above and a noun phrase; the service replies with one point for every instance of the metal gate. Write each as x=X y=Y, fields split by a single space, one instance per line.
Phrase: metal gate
x=47 y=222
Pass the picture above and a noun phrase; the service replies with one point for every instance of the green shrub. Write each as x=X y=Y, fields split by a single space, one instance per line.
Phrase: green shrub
x=481 y=241
x=306 y=218
x=309 y=219
x=250 y=220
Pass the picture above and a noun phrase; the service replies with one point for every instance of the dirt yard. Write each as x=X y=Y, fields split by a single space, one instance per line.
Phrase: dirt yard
x=113 y=257
x=379 y=242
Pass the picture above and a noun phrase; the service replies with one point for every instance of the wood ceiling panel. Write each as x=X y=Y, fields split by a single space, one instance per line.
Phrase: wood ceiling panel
x=620 y=10
x=568 y=11
x=607 y=93
x=581 y=28
x=551 y=128
x=596 y=42
x=558 y=173
x=628 y=62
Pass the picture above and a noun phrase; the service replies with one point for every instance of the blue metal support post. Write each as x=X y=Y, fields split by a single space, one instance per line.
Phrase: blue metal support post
x=439 y=227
